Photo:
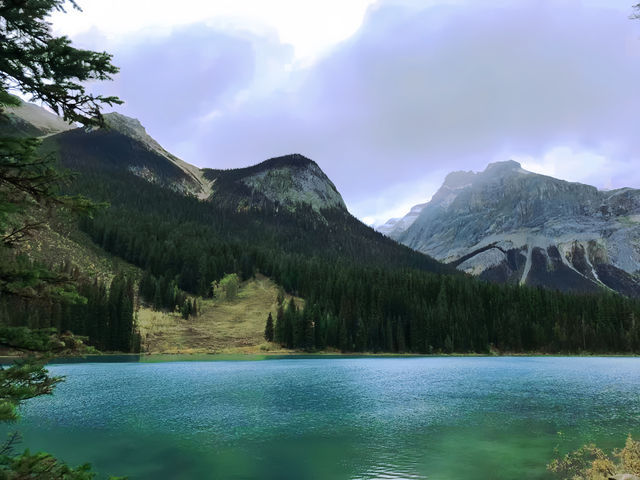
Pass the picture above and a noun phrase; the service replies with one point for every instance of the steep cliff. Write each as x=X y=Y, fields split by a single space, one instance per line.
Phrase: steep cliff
x=510 y=225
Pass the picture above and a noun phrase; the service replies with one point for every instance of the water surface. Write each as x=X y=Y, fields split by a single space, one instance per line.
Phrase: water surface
x=334 y=418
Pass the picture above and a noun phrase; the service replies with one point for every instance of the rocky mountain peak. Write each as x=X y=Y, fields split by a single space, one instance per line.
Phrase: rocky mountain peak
x=287 y=181
x=502 y=167
x=293 y=179
x=117 y=120
x=131 y=127
x=508 y=224
x=458 y=179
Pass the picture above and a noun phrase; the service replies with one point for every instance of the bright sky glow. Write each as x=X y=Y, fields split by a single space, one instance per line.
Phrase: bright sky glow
x=310 y=27
x=581 y=166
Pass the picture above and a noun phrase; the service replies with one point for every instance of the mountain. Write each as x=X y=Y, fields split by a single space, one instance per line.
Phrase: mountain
x=401 y=224
x=289 y=196
x=29 y=120
x=124 y=145
x=507 y=224
x=194 y=181
x=287 y=181
x=283 y=220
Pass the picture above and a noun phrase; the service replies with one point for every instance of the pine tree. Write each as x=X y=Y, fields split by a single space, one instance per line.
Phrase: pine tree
x=343 y=336
x=279 y=327
x=115 y=317
x=269 y=329
x=361 y=336
x=185 y=310
x=448 y=344
x=280 y=297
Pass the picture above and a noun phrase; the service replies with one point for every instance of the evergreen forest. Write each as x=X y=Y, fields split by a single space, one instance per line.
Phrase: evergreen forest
x=363 y=292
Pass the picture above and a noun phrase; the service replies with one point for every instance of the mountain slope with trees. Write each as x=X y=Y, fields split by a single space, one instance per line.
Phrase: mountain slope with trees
x=363 y=291
x=284 y=219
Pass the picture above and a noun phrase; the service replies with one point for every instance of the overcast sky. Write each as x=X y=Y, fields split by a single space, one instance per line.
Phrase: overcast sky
x=386 y=96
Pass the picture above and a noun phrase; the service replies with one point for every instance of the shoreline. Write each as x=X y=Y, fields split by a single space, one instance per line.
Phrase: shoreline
x=117 y=357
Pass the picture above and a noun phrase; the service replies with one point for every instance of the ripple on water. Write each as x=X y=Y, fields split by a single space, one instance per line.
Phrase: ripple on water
x=358 y=418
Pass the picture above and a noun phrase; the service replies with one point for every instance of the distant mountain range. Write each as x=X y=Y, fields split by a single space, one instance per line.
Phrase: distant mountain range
x=291 y=184
x=507 y=224
x=287 y=182
x=504 y=224
x=178 y=230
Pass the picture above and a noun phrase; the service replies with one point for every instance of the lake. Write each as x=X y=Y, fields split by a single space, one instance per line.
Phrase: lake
x=334 y=418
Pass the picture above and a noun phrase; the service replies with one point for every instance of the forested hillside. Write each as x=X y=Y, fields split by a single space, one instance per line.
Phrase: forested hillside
x=363 y=291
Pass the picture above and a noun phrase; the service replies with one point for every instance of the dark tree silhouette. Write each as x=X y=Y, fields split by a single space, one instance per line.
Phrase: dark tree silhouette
x=269 y=329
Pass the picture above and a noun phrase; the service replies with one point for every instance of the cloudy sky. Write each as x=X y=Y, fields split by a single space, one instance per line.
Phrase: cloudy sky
x=386 y=96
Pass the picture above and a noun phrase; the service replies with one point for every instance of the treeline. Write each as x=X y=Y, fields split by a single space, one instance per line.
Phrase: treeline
x=362 y=291
x=103 y=312
x=164 y=294
x=368 y=310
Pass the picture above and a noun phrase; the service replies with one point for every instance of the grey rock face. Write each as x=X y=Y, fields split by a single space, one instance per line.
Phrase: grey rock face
x=290 y=185
x=390 y=226
x=510 y=225
x=401 y=224
x=285 y=182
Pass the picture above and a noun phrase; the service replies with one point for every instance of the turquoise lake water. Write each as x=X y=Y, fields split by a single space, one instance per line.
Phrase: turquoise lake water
x=334 y=418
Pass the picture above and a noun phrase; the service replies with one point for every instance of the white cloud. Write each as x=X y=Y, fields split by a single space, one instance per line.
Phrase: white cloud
x=602 y=169
x=396 y=200
x=565 y=163
x=310 y=26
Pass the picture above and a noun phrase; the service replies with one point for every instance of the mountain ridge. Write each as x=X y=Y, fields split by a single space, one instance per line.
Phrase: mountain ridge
x=132 y=127
x=287 y=180
x=290 y=186
x=363 y=292
x=30 y=120
x=532 y=229
x=123 y=142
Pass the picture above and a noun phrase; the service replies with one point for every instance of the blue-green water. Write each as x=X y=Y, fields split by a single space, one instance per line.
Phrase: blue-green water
x=334 y=418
